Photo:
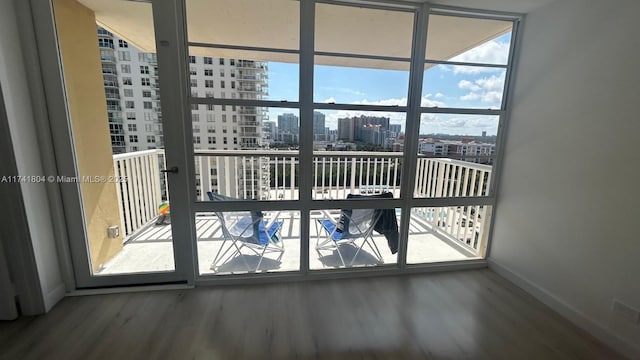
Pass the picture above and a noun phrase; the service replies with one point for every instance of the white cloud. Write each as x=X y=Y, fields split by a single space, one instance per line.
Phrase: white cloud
x=343 y=90
x=493 y=83
x=329 y=100
x=487 y=89
x=468 y=85
x=457 y=69
x=427 y=102
x=492 y=97
x=470 y=97
x=385 y=102
x=491 y=52
x=458 y=124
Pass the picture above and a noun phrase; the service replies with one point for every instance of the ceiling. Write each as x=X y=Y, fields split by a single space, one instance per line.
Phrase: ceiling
x=275 y=24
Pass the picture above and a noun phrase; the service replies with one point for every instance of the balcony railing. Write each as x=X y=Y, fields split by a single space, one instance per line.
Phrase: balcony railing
x=108 y=58
x=274 y=175
x=248 y=64
x=142 y=191
x=111 y=83
x=109 y=71
x=252 y=77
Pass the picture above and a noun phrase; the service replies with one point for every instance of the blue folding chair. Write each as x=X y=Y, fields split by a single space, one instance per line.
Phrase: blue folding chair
x=353 y=227
x=246 y=230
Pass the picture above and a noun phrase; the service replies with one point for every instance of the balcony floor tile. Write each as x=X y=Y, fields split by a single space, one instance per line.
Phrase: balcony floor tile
x=151 y=250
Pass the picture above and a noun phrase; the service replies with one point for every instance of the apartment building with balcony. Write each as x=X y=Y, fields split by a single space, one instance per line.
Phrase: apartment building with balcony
x=459 y=149
x=131 y=88
x=132 y=92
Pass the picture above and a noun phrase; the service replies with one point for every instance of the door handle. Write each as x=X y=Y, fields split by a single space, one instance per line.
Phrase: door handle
x=173 y=170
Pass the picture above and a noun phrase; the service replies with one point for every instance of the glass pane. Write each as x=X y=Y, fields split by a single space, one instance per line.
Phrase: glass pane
x=342 y=238
x=480 y=41
x=246 y=152
x=357 y=81
x=456 y=155
x=355 y=30
x=113 y=97
x=251 y=75
x=471 y=87
x=462 y=127
x=272 y=24
x=361 y=153
x=248 y=241
x=449 y=233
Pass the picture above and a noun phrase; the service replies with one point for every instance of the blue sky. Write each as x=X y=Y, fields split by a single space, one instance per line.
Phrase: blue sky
x=443 y=86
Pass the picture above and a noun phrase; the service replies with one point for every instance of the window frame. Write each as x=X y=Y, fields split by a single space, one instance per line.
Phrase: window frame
x=413 y=111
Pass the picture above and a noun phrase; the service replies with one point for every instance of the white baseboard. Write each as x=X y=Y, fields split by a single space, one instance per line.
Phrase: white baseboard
x=52 y=297
x=569 y=312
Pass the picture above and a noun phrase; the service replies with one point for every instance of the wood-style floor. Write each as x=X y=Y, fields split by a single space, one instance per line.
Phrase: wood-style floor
x=456 y=315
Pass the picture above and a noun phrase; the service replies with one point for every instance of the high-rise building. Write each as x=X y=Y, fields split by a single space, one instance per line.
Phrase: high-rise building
x=395 y=130
x=269 y=131
x=362 y=126
x=374 y=134
x=288 y=128
x=108 y=59
x=135 y=121
x=369 y=129
x=345 y=129
x=288 y=124
x=319 y=133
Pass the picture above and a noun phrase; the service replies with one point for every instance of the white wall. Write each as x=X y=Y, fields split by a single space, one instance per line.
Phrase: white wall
x=17 y=99
x=567 y=217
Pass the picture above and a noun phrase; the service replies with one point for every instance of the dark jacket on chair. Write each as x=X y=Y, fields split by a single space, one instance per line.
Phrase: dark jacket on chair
x=387 y=223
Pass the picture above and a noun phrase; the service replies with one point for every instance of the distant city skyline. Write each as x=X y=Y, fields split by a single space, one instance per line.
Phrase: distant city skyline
x=476 y=87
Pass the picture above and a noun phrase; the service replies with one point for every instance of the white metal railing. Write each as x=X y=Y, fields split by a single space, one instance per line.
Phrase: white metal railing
x=273 y=174
x=141 y=191
x=339 y=173
x=443 y=177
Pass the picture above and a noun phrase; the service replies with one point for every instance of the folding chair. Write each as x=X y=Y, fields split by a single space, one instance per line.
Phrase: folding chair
x=351 y=227
x=246 y=230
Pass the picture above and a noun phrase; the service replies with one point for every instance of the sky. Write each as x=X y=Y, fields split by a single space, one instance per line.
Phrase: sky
x=443 y=86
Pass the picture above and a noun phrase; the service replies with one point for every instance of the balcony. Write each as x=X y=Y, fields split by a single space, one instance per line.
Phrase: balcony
x=107 y=58
x=111 y=83
x=248 y=64
x=109 y=71
x=435 y=234
x=262 y=78
x=105 y=45
x=112 y=95
x=249 y=134
x=252 y=111
x=252 y=90
x=115 y=117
